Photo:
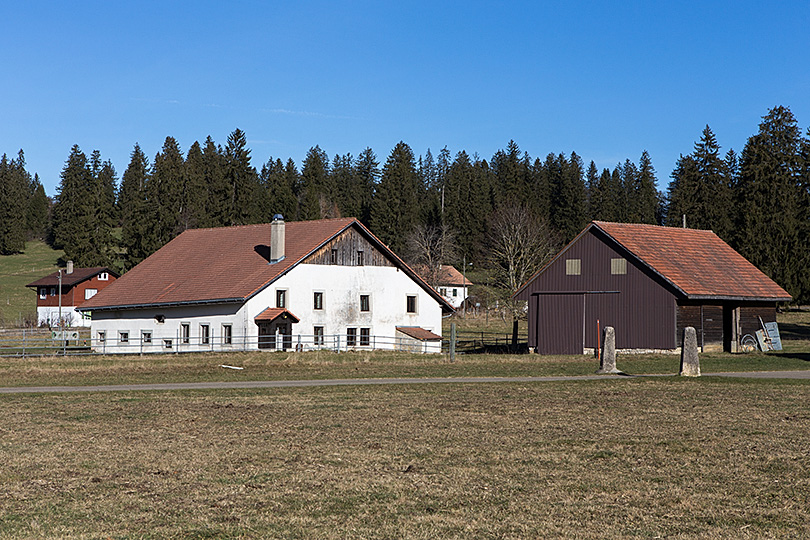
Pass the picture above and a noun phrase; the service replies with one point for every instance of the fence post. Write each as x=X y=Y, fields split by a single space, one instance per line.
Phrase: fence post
x=452 y=342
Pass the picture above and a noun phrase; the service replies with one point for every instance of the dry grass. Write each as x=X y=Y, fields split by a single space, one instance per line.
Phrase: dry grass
x=607 y=459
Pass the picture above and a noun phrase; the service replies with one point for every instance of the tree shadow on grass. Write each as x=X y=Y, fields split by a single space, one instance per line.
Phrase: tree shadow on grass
x=804 y=357
x=788 y=331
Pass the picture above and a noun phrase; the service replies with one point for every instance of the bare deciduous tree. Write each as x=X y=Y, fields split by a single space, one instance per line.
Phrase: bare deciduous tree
x=427 y=247
x=520 y=243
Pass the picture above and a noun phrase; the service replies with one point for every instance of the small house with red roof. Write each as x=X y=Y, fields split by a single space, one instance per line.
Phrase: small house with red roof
x=63 y=291
x=453 y=285
x=648 y=283
x=277 y=286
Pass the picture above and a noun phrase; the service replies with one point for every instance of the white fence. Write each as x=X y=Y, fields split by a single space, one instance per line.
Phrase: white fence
x=39 y=342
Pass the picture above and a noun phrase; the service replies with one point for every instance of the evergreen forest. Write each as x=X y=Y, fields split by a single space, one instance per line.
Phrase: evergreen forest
x=440 y=208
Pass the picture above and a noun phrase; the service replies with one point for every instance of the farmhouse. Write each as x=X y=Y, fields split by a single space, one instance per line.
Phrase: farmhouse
x=62 y=292
x=451 y=284
x=649 y=283
x=277 y=286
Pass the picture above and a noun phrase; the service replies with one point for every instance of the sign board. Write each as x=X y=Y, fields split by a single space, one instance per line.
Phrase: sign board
x=773 y=333
x=64 y=335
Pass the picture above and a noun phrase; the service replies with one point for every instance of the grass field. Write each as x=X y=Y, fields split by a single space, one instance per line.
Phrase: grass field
x=636 y=458
x=17 y=303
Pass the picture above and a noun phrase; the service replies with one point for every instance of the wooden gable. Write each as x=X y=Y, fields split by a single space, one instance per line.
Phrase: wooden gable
x=346 y=249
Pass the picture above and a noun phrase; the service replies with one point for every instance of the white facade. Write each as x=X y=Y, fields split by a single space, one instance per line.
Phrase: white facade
x=49 y=315
x=341 y=322
x=454 y=294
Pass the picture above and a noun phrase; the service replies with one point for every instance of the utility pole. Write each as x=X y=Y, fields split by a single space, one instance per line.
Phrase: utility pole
x=61 y=326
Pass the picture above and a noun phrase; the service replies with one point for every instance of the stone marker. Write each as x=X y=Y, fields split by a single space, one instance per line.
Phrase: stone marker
x=607 y=362
x=690 y=363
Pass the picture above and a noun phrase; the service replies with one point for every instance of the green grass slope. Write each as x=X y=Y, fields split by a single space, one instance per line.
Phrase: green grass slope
x=18 y=303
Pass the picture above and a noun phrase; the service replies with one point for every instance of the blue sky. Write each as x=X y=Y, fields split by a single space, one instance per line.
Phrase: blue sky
x=607 y=80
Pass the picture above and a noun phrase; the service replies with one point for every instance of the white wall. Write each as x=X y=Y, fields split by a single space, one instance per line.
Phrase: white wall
x=50 y=315
x=341 y=286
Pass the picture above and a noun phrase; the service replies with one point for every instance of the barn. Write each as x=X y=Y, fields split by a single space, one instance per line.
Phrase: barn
x=649 y=283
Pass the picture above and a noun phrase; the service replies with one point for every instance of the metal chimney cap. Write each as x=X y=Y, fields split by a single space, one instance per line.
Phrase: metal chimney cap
x=278 y=217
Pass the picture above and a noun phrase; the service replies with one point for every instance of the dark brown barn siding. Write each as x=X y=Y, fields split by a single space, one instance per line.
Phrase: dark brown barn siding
x=706 y=319
x=567 y=310
x=346 y=245
x=750 y=314
x=638 y=304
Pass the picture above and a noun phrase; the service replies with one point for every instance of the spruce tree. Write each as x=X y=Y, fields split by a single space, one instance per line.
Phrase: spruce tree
x=317 y=195
x=701 y=189
x=164 y=193
x=593 y=195
x=644 y=199
x=395 y=210
x=242 y=180
x=220 y=194
x=770 y=225
x=194 y=199
x=137 y=222
x=568 y=195
x=82 y=222
x=511 y=175
x=367 y=171
x=39 y=206
x=14 y=183
x=279 y=190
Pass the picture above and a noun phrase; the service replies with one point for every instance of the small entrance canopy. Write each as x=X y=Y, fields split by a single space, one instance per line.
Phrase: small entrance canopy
x=271 y=315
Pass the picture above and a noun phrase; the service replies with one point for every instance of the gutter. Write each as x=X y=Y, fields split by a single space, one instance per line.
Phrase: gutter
x=164 y=304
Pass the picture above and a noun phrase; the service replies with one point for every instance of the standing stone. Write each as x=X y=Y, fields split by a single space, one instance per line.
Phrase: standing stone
x=607 y=362
x=690 y=363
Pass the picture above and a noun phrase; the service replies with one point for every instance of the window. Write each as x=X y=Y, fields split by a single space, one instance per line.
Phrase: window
x=185 y=332
x=53 y=291
x=443 y=291
x=360 y=258
x=167 y=343
x=90 y=293
x=43 y=293
x=104 y=276
x=365 y=303
x=281 y=298
x=455 y=292
x=318 y=335
x=205 y=334
x=146 y=336
x=227 y=334
x=618 y=266
x=334 y=259
x=317 y=300
x=365 y=337
x=123 y=337
x=102 y=336
x=573 y=267
x=410 y=304
x=351 y=337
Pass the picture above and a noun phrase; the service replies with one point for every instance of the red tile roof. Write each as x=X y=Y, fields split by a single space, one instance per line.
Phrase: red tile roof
x=271 y=314
x=225 y=264
x=447 y=275
x=77 y=276
x=697 y=262
x=419 y=333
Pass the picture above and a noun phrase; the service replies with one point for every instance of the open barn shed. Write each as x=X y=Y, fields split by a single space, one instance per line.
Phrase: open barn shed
x=649 y=283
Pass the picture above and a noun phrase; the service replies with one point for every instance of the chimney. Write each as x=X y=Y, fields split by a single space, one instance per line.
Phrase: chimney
x=277 y=238
x=69 y=269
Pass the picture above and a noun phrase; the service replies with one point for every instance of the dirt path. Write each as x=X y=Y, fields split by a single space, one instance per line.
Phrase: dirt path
x=350 y=382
